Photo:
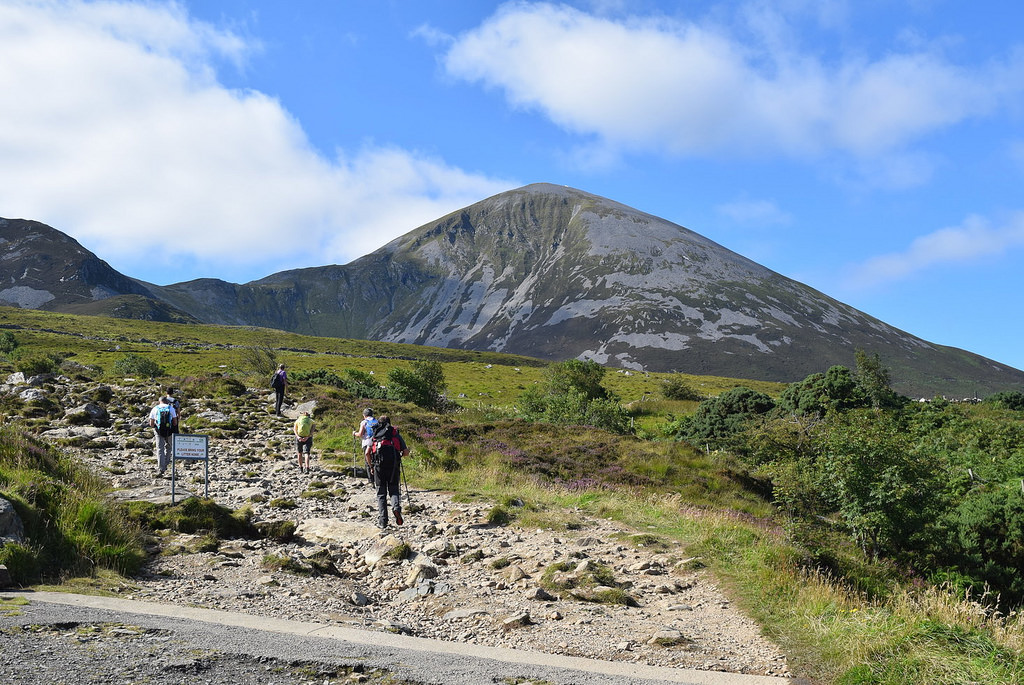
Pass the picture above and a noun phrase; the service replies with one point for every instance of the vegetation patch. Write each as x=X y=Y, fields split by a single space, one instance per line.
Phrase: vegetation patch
x=70 y=526
x=193 y=515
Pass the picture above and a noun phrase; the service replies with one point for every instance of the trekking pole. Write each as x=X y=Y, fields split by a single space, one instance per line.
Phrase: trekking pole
x=401 y=464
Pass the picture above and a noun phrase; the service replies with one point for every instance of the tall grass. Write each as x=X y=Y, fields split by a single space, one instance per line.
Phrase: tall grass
x=70 y=527
x=911 y=635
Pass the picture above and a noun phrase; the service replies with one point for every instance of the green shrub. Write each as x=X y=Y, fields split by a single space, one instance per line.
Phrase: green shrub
x=8 y=343
x=422 y=385
x=1010 y=399
x=279 y=531
x=500 y=516
x=676 y=388
x=988 y=538
x=38 y=365
x=133 y=364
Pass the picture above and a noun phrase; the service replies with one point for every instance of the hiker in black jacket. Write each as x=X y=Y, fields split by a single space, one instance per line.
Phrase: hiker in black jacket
x=386 y=454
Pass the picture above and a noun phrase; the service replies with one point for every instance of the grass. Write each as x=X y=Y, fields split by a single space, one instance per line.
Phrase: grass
x=689 y=505
x=70 y=530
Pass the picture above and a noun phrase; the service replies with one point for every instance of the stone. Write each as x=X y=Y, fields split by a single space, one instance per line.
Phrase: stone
x=514 y=573
x=5 y=577
x=441 y=549
x=539 y=594
x=32 y=395
x=668 y=637
x=328 y=530
x=381 y=549
x=358 y=599
x=90 y=412
x=418 y=574
x=17 y=378
x=519 y=620
x=11 y=527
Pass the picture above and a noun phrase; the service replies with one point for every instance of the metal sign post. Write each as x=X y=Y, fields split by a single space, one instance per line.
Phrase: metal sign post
x=192 y=447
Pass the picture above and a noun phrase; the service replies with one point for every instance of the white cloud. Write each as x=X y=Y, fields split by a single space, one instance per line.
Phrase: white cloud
x=113 y=128
x=688 y=88
x=754 y=213
x=975 y=239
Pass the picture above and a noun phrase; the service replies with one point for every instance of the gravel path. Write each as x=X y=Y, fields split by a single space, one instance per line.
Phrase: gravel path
x=457 y=579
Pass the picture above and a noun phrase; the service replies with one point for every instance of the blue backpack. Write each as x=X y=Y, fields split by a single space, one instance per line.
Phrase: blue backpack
x=369 y=427
x=163 y=420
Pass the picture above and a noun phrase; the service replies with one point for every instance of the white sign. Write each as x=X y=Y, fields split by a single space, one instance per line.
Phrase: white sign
x=190 y=446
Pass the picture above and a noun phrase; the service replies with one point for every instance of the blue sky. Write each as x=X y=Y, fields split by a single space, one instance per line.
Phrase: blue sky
x=870 y=149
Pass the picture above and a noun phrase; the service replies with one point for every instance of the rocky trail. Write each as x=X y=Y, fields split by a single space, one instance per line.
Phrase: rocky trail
x=445 y=574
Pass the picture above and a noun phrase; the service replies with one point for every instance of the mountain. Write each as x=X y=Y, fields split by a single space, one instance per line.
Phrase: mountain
x=42 y=268
x=557 y=273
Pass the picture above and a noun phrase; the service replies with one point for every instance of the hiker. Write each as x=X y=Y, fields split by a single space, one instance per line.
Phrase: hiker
x=163 y=420
x=365 y=434
x=278 y=382
x=176 y=404
x=303 y=439
x=387 y=451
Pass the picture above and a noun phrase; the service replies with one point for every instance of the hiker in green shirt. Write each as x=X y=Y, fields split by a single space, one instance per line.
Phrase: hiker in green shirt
x=303 y=439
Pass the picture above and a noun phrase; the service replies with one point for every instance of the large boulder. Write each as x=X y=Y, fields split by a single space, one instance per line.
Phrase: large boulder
x=327 y=530
x=11 y=527
x=88 y=413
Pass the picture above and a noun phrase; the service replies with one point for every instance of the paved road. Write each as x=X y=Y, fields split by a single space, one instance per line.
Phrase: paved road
x=411 y=659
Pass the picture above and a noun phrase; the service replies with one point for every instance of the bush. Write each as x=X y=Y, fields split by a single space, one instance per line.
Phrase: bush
x=718 y=419
x=573 y=395
x=1010 y=399
x=133 y=364
x=259 y=359
x=37 y=366
x=8 y=343
x=988 y=539
x=423 y=385
x=192 y=515
x=676 y=388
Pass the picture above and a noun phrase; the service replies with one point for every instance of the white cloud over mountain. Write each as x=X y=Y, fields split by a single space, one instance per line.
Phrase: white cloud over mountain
x=114 y=127
x=691 y=88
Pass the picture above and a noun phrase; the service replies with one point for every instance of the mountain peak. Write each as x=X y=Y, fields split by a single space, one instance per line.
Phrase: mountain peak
x=545 y=271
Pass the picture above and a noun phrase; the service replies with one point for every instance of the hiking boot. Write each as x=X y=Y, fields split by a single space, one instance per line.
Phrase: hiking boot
x=398 y=516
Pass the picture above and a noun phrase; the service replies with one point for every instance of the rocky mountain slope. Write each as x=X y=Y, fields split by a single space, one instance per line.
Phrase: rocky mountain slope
x=557 y=273
x=445 y=574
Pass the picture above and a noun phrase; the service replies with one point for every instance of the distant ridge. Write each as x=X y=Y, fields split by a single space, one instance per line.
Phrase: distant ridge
x=556 y=273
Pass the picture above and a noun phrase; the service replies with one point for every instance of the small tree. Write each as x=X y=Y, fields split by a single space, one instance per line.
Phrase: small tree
x=422 y=385
x=572 y=394
x=133 y=364
x=259 y=359
x=8 y=343
x=873 y=378
x=676 y=388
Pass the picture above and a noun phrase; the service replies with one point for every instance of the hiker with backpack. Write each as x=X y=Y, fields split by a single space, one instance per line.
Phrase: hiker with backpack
x=303 y=438
x=278 y=382
x=176 y=405
x=365 y=434
x=163 y=420
x=386 y=452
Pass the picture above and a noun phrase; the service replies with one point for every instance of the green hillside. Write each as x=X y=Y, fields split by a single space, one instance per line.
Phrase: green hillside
x=875 y=540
